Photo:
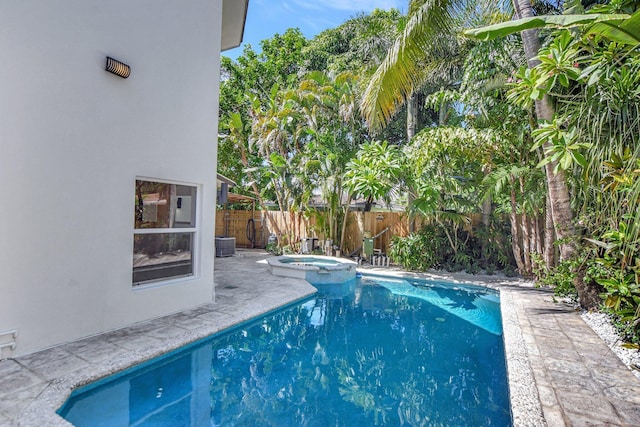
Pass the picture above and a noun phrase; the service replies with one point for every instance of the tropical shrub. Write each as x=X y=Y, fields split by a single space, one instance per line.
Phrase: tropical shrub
x=616 y=268
x=430 y=249
x=561 y=277
x=418 y=251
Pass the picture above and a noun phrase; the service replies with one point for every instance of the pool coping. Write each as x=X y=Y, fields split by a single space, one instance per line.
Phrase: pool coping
x=309 y=272
x=543 y=382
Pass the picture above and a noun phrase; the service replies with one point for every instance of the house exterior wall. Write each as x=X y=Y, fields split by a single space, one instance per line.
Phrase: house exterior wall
x=73 y=140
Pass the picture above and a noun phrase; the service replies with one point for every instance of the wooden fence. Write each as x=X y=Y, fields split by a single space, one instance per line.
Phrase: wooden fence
x=244 y=224
x=384 y=225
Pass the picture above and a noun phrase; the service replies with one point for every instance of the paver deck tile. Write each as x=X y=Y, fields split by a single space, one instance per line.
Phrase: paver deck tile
x=578 y=366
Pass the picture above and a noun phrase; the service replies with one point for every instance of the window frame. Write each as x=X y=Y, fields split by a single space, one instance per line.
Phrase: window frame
x=194 y=231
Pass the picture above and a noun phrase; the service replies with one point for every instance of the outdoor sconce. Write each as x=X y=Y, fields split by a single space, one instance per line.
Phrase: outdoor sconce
x=118 y=68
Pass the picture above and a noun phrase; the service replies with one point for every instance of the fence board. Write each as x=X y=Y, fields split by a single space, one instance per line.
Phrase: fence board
x=233 y=223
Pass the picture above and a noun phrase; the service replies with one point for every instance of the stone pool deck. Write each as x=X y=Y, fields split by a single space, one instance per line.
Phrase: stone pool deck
x=561 y=373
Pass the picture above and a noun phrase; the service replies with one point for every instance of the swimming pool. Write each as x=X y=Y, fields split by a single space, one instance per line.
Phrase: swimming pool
x=366 y=352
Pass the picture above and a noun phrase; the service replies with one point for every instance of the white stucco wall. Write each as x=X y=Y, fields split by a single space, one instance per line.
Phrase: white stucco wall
x=73 y=139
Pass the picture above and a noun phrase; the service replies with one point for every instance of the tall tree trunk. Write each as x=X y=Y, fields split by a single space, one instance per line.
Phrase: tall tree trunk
x=486 y=219
x=561 y=212
x=559 y=200
x=526 y=233
x=537 y=244
x=443 y=115
x=281 y=206
x=549 y=237
x=486 y=223
x=273 y=225
x=486 y=211
x=526 y=239
x=344 y=225
x=533 y=235
x=556 y=181
x=412 y=117
x=515 y=232
x=334 y=230
x=412 y=124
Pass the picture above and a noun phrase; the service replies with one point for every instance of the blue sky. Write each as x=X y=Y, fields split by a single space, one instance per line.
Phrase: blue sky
x=268 y=17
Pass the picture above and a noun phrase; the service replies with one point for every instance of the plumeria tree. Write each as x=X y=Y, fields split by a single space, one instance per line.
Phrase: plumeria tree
x=374 y=172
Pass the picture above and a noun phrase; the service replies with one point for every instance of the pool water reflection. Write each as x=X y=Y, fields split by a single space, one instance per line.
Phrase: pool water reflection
x=356 y=354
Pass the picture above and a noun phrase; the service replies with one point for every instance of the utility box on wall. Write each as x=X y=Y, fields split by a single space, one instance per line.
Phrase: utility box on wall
x=367 y=246
x=183 y=210
x=225 y=246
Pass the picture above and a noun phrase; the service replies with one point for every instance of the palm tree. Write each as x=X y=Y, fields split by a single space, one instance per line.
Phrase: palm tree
x=428 y=52
x=558 y=194
x=558 y=191
x=426 y=57
x=414 y=52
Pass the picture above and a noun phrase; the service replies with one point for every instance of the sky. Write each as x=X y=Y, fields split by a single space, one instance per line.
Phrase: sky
x=268 y=17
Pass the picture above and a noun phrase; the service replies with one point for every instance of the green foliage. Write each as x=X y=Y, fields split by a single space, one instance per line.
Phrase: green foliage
x=527 y=86
x=304 y=130
x=607 y=265
x=374 y=172
x=355 y=45
x=487 y=68
x=561 y=277
x=273 y=248
x=559 y=60
x=418 y=251
x=248 y=83
x=621 y=171
x=430 y=249
x=616 y=267
x=602 y=110
x=561 y=145
x=626 y=32
x=427 y=54
x=622 y=294
x=445 y=166
x=612 y=26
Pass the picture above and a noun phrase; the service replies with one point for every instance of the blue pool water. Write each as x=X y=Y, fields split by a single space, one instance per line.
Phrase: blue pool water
x=376 y=351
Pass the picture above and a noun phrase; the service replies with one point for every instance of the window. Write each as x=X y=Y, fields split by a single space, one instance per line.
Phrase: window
x=165 y=228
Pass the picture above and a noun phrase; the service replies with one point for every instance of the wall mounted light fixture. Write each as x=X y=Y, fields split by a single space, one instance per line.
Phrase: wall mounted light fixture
x=118 y=68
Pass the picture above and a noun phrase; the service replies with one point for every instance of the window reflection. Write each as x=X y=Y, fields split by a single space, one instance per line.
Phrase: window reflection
x=162 y=255
x=172 y=393
x=162 y=205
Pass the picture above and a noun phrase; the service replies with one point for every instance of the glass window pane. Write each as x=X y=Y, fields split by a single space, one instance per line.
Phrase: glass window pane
x=162 y=205
x=161 y=256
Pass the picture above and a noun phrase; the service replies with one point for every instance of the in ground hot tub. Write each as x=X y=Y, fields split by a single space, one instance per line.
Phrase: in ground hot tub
x=314 y=269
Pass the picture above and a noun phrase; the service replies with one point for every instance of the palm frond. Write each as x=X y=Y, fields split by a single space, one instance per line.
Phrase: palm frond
x=420 y=52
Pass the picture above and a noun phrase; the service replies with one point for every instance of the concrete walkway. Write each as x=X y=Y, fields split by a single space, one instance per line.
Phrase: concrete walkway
x=560 y=371
x=579 y=380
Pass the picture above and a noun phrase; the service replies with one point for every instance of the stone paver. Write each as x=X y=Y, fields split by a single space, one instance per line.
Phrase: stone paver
x=574 y=370
x=560 y=372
